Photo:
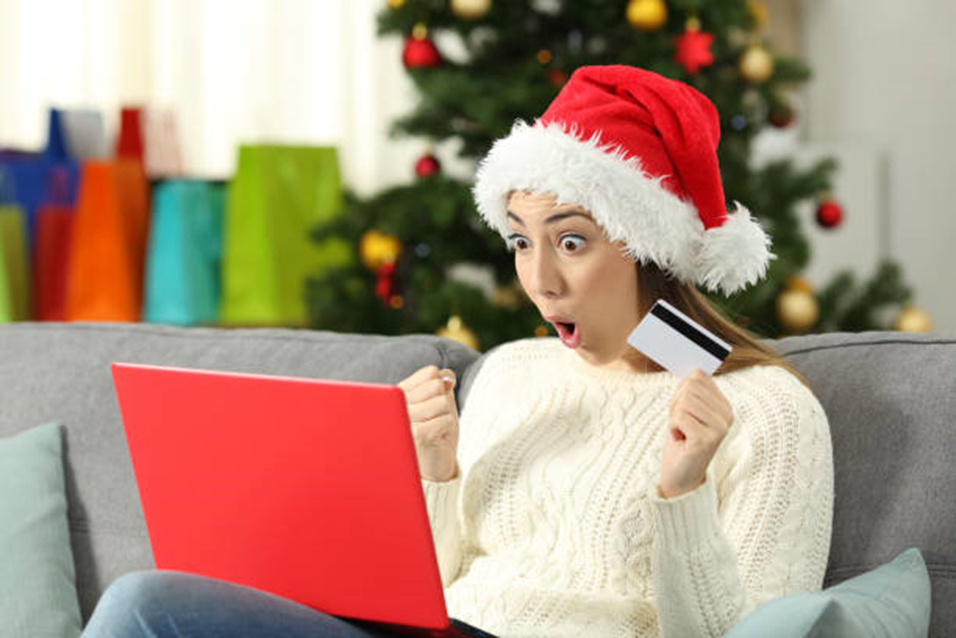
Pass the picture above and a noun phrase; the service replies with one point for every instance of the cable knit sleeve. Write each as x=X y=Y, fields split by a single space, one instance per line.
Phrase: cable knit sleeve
x=759 y=527
x=441 y=500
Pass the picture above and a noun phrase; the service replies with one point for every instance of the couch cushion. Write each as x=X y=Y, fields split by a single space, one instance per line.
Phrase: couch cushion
x=37 y=590
x=891 y=404
x=891 y=601
x=60 y=372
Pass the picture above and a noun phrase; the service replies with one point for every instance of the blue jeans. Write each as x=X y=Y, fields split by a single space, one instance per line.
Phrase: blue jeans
x=161 y=604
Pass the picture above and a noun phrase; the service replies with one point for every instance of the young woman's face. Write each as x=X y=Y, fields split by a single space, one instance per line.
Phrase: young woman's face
x=579 y=281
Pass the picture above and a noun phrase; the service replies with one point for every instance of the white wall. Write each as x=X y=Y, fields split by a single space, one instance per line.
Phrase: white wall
x=885 y=77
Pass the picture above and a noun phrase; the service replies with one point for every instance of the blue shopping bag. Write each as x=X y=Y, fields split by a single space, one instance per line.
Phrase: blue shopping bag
x=184 y=253
x=32 y=173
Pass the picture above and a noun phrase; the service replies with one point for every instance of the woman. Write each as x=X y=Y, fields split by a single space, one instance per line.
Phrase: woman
x=587 y=491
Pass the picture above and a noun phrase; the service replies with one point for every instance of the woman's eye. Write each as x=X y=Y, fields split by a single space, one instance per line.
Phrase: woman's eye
x=519 y=243
x=572 y=243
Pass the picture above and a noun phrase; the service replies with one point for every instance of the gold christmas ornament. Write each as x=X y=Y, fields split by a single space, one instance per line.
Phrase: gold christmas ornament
x=544 y=56
x=541 y=331
x=799 y=283
x=456 y=330
x=396 y=4
x=756 y=64
x=376 y=249
x=647 y=15
x=759 y=11
x=913 y=319
x=506 y=297
x=797 y=310
x=470 y=9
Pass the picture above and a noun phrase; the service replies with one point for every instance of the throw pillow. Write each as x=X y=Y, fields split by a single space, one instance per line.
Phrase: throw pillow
x=892 y=600
x=37 y=580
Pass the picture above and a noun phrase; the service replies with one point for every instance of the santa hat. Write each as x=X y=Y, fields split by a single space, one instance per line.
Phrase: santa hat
x=639 y=152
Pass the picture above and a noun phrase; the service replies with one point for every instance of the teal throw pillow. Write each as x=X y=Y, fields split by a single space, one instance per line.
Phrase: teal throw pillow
x=37 y=578
x=892 y=600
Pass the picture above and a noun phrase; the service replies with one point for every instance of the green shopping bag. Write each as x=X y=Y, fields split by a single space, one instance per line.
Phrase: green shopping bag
x=14 y=255
x=14 y=268
x=278 y=195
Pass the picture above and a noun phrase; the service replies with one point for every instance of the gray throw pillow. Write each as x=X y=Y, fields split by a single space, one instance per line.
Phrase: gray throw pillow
x=37 y=579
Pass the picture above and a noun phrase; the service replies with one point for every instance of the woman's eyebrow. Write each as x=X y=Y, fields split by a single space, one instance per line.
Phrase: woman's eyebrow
x=573 y=212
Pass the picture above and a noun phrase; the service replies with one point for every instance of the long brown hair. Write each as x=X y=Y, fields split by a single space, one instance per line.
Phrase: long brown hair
x=654 y=284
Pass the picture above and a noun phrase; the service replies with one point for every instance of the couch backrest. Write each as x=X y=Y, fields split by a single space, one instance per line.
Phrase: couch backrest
x=891 y=401
x=61 y=372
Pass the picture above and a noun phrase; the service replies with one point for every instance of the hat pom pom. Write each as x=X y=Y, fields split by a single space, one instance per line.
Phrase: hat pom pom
x=735 y=254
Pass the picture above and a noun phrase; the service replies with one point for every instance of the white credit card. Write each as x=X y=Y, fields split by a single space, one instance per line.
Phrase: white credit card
x=677 y=342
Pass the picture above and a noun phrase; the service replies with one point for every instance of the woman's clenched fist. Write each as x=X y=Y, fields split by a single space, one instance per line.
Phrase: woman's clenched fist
x=700 y=417
x=430 y=397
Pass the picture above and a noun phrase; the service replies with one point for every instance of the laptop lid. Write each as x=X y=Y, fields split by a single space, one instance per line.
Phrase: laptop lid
x=305 y=488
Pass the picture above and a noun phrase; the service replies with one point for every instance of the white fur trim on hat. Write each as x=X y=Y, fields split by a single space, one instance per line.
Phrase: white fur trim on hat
x=629 y=204
x=735 y=254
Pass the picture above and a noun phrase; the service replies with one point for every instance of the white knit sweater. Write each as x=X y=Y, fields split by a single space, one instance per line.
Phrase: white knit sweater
x=554 y=527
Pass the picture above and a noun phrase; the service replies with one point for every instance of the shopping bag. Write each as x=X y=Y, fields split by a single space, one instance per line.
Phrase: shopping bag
x=85 y=134
x=107 y=243
x=163 y=158
x=50 y=261
x=14 y=270
x=51 y=244
x=184 y=253
x=14 y=273
x=129 y=141
x=278 y=195
x=31 y=172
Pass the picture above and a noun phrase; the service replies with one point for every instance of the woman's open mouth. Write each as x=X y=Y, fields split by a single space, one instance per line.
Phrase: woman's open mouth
x=569 y=333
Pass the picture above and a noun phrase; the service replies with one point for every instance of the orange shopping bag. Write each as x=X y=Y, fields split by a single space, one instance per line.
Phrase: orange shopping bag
x=108 y=242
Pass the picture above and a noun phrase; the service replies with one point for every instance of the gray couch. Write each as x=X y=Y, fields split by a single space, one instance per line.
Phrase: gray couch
x=890 y=398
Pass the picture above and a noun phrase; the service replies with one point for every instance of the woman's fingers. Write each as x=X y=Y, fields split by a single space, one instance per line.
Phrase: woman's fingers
x=429 y=409
x=426 y=383
x=698 y=419
x=688 y=427
x=433 y=432
x=422 y=374
x=425 y=391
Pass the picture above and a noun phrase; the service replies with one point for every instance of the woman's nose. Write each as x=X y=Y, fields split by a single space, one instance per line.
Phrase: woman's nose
x=546 y=279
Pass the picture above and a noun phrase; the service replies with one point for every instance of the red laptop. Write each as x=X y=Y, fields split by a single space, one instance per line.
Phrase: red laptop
x=305 y=488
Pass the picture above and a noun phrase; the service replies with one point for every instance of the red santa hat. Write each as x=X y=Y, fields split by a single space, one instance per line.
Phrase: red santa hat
x=639 y=152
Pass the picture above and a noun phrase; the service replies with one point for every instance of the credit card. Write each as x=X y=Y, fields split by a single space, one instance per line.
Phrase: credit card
x=677 y=342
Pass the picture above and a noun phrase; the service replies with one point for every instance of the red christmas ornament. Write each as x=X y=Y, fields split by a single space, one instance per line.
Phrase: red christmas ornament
x=693 y=47
x=386 y=284
x=829 y=214
x=420 y=51
x=427 y=165
x=781 y=117
x=557 y=77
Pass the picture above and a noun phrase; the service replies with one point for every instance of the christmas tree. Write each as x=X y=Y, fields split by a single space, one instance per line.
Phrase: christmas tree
x=416 y=245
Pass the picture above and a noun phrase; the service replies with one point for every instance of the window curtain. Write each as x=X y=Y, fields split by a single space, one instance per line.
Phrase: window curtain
x=231 y=71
